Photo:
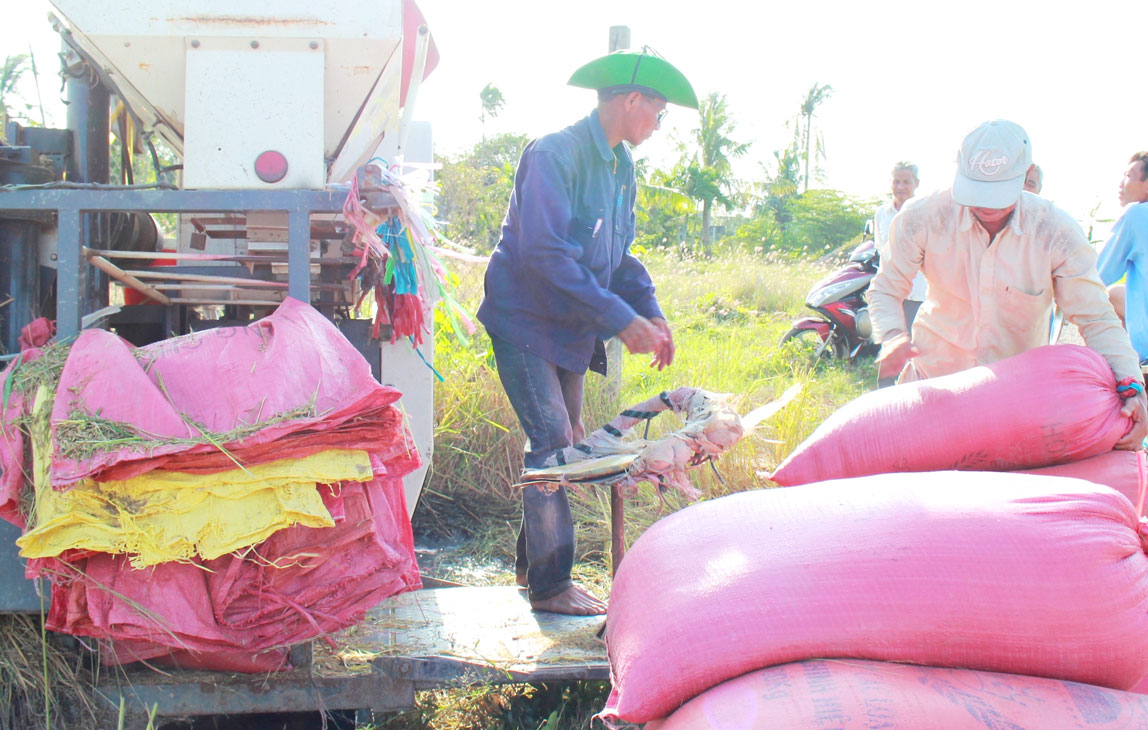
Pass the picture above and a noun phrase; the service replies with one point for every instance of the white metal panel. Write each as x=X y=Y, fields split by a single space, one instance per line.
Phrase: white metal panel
x=158 y=102
x=282 y=18
x=142 y=44
x=243 y=101
x=403 y=369
x=378 y=122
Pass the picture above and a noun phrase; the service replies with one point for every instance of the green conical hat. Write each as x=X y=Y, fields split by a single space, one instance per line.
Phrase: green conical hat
x=640 y=71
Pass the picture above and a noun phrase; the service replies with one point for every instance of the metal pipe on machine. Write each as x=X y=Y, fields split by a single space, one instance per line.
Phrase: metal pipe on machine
x=88 y=120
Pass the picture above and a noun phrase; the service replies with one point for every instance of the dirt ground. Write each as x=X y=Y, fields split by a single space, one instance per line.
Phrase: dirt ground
x=1070 y=335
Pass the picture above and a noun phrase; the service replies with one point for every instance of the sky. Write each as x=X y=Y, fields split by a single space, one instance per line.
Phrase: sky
x=909 y=79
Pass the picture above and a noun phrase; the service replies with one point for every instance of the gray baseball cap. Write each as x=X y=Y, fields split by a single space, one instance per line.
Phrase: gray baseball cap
x=991 y=165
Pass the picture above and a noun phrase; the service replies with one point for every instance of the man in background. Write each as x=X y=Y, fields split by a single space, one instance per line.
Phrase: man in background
x=995 y=259
x=904 y=186
x=1034 y=179
x=1125 y=255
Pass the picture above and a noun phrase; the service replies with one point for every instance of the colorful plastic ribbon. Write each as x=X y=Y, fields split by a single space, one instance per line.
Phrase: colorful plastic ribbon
x=1129 y=388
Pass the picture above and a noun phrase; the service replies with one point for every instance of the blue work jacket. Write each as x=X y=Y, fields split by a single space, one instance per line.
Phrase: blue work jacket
x=562 y=276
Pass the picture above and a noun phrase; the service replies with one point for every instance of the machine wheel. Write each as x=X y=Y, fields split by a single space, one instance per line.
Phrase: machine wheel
x=809 y=346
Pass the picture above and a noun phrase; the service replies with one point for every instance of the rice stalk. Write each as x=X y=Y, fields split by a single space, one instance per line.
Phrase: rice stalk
x=42 y=683
x=44 y=370
x=84 y=435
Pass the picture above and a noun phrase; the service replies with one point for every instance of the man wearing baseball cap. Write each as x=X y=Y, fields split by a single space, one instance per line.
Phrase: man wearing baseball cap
x=562 y=280
x=995 y=258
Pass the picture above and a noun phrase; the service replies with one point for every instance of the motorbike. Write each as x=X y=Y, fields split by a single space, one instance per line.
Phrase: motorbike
x=842 y=328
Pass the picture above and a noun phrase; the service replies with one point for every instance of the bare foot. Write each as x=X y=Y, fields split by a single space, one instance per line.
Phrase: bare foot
x=574 y=601
x=521 y=581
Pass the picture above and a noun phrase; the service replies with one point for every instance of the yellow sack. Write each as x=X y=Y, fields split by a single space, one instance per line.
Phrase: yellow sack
x=163 y=516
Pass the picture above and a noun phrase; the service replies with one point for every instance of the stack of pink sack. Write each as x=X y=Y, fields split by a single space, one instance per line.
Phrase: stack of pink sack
x=287 y=386
x=999 y=572
x=1024 y=597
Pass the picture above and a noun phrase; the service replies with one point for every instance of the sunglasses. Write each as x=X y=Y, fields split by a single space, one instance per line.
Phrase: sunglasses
x=662 y=113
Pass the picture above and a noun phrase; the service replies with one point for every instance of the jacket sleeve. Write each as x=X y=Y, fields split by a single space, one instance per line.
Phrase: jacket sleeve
x=632 y=282
x=1084 y=299
x=1114 y=256
x=549 y=252
x=894 y=279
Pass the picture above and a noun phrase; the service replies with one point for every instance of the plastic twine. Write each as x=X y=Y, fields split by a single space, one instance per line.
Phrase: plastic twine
x=1129 y=388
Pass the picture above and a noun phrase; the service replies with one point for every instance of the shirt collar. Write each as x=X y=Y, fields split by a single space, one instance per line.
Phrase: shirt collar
x=1015 y=222
x=599 y=136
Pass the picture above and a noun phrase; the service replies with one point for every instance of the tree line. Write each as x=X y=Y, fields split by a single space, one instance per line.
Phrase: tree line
x=697 y=204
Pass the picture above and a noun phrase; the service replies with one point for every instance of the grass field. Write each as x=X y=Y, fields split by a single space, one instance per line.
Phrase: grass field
x=728 y=315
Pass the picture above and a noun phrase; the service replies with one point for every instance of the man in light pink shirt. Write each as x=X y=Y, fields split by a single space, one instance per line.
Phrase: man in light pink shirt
x=995 y=259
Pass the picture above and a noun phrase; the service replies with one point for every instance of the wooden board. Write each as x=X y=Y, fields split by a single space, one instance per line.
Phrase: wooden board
x=441 y=637
x=478 y=633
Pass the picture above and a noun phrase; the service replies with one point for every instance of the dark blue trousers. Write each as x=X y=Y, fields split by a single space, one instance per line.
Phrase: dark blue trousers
x=548 y=402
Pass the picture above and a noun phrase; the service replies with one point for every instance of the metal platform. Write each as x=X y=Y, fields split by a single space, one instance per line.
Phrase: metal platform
x=426 y=639
x=482 y=634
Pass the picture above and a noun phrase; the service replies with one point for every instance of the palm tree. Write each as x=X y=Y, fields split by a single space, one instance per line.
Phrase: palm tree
x=11 y=70
x=780 y=186
x=817 y=94
x=662 y=210
x=492 y=103
x=708 y=176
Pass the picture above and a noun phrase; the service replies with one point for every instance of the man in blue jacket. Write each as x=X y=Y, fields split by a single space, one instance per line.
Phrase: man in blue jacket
x=1125 y=255
x=562 y=280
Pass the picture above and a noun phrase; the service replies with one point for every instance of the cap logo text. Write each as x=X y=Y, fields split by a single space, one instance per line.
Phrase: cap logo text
x=988 y=163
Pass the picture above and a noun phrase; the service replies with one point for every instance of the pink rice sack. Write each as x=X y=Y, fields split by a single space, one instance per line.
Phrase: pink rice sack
x=1124 y=471
x=1044 y=576
x=861 y=695
x=1046 y=406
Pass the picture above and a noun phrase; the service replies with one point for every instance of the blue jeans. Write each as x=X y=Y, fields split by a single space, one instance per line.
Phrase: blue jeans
x=548 y=402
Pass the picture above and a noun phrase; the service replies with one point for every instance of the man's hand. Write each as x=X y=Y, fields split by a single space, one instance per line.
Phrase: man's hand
x=663 y=356
x=643 y=336
x=1136 y=408
x=895 y=352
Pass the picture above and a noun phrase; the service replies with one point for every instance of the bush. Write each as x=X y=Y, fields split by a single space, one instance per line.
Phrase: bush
x=818 y=222
x=474 y=189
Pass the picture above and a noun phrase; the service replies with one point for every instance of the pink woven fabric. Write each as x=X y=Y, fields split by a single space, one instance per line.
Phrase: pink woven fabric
x=995 y=571
x=220 y=380
x=1047 y=406
x=300 y=583
x=12 y=444
x=237 y=612
x=36 y=333
x=1124 y=471
x=860 y=695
